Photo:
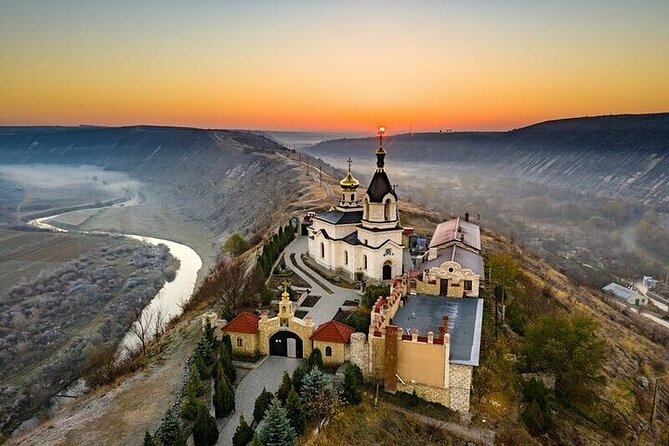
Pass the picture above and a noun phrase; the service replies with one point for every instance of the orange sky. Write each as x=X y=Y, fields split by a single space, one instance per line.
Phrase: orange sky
x=321 y=66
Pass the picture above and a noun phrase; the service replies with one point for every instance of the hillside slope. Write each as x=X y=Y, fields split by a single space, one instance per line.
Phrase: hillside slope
x=615 y=156
x=197 y=173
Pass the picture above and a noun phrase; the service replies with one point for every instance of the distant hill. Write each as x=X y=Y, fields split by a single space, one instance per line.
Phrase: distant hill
x=620 y=156
x=200 y=171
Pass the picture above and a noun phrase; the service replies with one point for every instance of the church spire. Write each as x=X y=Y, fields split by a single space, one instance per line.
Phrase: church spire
x=349 y=183
x=381 y=153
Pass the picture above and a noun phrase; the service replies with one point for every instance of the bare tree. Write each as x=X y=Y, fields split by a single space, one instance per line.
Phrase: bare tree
x=142 y=327
x=236 y=283
x=159 y=322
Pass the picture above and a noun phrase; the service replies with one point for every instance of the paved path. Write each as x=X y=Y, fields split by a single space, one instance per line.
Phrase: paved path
x=328 y=304
x=267 y=375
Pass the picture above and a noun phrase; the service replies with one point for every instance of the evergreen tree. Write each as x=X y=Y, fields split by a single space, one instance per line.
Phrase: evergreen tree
x=256 y=441
x=149 y=440
x=226 y=341
x=199 y=364
x=170 y=432
x=318 y=400
x=298 y=376
x=205 y=348
x=285 y=388
x=190 y=406
x=209 y=333
x=243 y=434
x=194 y=383
x=262 y=403
x=225 y=361
x=295 y=412
x=205 y=430
x=276 y=429
x=315 y=359
x=224 y=398
x=352 y=383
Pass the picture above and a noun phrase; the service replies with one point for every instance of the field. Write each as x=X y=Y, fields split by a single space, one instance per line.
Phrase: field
x=83 y=299
x=23 y=255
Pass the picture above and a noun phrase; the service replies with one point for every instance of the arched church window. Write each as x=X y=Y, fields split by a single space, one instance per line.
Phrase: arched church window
x=328 y=351
x=386 y=210
x=345 y=257
x=364 y=261
x=351 y=197
x=322 y=250
x=240 y=342
x=366 y=211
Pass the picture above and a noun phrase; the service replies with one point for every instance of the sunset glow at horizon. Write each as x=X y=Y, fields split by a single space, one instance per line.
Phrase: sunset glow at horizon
x=330 y=66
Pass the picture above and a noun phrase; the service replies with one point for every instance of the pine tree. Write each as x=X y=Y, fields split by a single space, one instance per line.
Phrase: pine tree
x=262 y=403
x=224 y=398
x=351 y=385
x=226 y=341
x=315 y=359
x=170 y=432
x=190 y=406
x=285 y=388
x=149 y=440
x=225 y=360
x=318 y=400
x=195 y=383
x=276 y=429
x=243 y=433
x=199 y=364
x=298 y=376
x=205 y=430
x=295 y=412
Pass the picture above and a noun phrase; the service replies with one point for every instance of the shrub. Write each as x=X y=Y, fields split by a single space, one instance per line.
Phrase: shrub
x=352 y=392
x=190 y=406
x=359 y=320
x=262 y=403
x=298 y=376
x=205 y=430
x=149 y=440
x=315 y=359
x=276 y=429
x=372 y=293
x=170 y=431
x=295 y=412
x=225 y=364
x=224 y=398
x=285 y=388
x=534 y=419
x=194 y=384
x=318 y=400
x=236 y=245
x=243 y=434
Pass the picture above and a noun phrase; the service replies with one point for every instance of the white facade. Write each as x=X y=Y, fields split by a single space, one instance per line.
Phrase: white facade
x=361 y=239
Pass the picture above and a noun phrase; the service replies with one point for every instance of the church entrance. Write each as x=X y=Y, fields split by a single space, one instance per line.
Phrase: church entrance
x=387 y=271
x=285 y=343
x=443 y=287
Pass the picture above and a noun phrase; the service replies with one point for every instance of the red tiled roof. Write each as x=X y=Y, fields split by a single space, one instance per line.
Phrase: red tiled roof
x=333 y=331
x=244 y=323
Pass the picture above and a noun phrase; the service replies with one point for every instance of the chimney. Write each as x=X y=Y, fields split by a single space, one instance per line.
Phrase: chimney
x=466 y=216
x=414 y=335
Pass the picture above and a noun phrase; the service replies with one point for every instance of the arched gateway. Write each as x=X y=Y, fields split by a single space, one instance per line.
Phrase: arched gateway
x=285 y=343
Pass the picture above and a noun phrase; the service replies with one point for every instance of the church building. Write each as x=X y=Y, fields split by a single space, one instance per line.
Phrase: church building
x=361 y=238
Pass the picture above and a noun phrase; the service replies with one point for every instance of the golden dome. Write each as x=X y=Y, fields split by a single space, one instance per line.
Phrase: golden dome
x=349 y=182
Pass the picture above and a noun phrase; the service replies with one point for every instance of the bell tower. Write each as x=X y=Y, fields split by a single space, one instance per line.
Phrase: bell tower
x=349 y=191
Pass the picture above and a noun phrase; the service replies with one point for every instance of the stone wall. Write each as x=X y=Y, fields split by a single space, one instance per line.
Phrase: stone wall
x=460 y=386
x=433 y=394
x=359 y=353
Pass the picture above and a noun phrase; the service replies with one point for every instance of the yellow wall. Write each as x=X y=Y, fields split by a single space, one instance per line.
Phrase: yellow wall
x=249 y=344
x=339 y=352
x=421 y=362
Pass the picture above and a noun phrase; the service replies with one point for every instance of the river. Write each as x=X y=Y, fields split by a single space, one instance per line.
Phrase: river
x=170 y=298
